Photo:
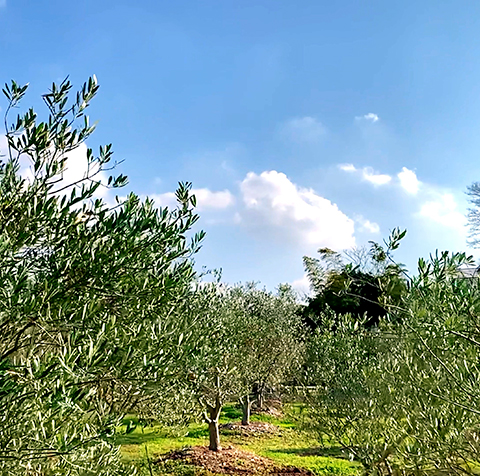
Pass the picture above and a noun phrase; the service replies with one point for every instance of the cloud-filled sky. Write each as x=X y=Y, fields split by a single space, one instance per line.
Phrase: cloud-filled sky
x=300 y=124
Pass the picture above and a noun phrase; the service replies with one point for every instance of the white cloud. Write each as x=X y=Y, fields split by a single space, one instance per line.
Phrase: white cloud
x=275 y=205
x=304 y=129
x=206 y=199
x=368 y=174
x=3 y=147
x=347 y=167
x=376 y=179
x=166 y=199
x=444 y=210
x=370 y=117
x=409 y=181
x=76 y=169
x=302 y=286
x=367 y=225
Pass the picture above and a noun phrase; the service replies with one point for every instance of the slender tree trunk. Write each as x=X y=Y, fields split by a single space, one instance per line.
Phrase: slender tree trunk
x=246 y=407
x=261 y=400
x=214 y=433
x=258 y=391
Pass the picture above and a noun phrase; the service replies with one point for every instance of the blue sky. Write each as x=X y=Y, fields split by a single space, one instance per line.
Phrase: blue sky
x=301 y=124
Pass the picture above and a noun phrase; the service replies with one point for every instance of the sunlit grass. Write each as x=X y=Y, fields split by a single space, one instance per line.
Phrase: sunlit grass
x=292 y=448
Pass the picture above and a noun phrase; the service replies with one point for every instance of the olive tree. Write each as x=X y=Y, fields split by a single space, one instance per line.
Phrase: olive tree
x=89 y=293
x=439 y=364
x=402 y=398
x=273 y=349
x=244 y=339
x=211 y=364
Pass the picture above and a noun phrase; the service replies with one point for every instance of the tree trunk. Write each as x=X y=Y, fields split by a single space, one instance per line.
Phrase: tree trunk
x=261 y=400
x=246 y=407
x=214 y=436
x=214 y=433
x=258 y=392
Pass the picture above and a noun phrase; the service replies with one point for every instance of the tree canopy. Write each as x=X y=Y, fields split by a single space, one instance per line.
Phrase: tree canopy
x=355 y=284
x=89 y=292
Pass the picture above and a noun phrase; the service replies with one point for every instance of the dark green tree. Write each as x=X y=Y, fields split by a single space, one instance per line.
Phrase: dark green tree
x=359 y=284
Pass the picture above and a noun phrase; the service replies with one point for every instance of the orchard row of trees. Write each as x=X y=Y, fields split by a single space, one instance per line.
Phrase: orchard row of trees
x=102 y=313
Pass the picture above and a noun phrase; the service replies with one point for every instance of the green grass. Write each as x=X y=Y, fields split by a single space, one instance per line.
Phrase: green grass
x=292 y=448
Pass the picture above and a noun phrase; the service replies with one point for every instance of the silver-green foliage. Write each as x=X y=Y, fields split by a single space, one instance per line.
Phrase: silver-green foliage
x=88 y=296
x=403 y=398
x=242 y=337
x=273 y=338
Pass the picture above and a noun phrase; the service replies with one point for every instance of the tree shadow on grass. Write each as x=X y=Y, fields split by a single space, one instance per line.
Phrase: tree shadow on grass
x=231 y=412
x=139 y=437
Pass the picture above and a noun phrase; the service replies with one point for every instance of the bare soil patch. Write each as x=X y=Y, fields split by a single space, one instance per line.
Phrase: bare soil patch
x=231 y=460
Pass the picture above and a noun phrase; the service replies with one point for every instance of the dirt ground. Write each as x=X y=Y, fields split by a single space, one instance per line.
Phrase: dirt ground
x=231 y=460
x=234 y=461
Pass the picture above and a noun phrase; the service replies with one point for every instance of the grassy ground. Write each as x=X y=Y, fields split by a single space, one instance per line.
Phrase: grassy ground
x=292 y=448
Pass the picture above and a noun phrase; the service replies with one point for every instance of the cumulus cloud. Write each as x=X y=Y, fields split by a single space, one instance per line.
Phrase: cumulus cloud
x=409 y=181
x=302 y=286
x=293 y=215
x=166 y=199
x=444 y=210
x=206 y=199
x=304 y=130
x=407 y=178
x=76 y=169
x=368 y=174
x=370 y=117
x=375 y=178
x=435 y=204
x=367 y=225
